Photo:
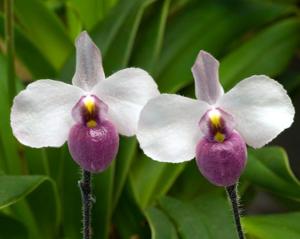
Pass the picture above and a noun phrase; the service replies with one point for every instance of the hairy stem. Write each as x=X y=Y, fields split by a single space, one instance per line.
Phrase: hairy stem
x=9 y=45
x=232 y=194
x=86 y=195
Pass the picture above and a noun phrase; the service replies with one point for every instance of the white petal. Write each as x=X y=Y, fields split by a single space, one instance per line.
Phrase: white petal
x=89 y=70
x=261 y=108
x=41 y=114
x=126 y=92
x=168 y=129
x=206 y=75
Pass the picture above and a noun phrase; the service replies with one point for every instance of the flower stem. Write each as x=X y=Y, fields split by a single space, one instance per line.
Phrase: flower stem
x=9 y=44
x=86 y=195
x=232 y=194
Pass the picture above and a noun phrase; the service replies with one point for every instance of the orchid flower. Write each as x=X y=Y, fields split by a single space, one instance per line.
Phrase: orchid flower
x=90 y=114
x=216 y=127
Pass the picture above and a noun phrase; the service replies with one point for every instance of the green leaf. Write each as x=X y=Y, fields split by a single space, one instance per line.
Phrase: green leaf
x=269 y=169
x=207 y=216
x=128 y=218
x=14 y=188
x=45 y=30
x=267 y=53
x=184 y=40
x=121 y=47
x=161 y=226
x=276 y=226
x=90 y=14
x=12 y=228
x=32 y=58
x=11 y=162
x=151 y=180
x=148 y=48
x=127 y=149
x=45 y=205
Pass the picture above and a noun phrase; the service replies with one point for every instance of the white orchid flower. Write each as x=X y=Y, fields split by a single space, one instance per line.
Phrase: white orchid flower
x=89 y=113
x=216 y=126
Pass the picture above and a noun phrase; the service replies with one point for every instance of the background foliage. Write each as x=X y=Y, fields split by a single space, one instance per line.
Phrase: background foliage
x=137 y=197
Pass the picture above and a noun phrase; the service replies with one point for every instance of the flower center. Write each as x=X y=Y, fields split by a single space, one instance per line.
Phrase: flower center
x=90 y=111
x=217 y=125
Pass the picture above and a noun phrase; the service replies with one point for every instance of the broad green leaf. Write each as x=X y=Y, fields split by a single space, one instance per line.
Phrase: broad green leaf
x=45 y=30
x=207 y=216
x=276 y=226
x=267 y=53
x=14 y=188
x=161 y=226
x=150 y=179
x=12 y=161
x=269 y=169
x=190 y=183
x=12 y=228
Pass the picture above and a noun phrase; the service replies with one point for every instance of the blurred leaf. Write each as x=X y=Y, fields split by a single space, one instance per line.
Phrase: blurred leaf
x=12 y=228
x=73 y=20
x=46 y=208
x=128 y=219
x=190 y=183
x=70 y=195
x=276 y=226
x=45 y=30
x=12 y=161
x=161 y=226
x=267 y=53
x=269 y=169
x=14 y=188
x=90 y=14
x=29 y=54
x=151 y=180
x=207 y=216
x=127 y=149
x=122 y=45
x=150 y=37
x=104 y=195
x=215 y=21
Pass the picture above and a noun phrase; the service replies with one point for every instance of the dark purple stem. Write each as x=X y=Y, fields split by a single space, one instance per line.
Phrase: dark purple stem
x=86 y=195
x=232 y=194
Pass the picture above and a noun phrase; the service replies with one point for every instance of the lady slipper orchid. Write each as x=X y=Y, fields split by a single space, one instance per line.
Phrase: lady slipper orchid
x=90 y=114
x=216 y=127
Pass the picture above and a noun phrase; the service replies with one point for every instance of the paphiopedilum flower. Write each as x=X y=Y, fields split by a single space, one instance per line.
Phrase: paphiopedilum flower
x=89 y=114
x=216 y=127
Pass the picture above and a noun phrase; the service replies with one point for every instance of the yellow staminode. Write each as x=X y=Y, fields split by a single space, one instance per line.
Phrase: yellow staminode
x=89 y=103
x=215 y=117
x=219 y=137
x=91 y=124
